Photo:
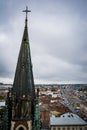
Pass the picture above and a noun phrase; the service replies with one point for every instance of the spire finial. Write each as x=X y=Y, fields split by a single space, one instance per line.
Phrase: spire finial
x=26 y=11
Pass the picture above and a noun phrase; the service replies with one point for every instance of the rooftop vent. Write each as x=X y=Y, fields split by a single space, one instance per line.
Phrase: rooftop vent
x=68 y=115
x=72 y=115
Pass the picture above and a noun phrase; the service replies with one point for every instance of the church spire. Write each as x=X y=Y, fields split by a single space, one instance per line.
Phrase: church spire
x=23 y=81
x=22 y=100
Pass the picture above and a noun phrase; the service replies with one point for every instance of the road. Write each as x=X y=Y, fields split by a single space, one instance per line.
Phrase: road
x=66 y=102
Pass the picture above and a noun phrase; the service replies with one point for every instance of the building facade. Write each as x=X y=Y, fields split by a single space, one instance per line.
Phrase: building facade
x=67 y=121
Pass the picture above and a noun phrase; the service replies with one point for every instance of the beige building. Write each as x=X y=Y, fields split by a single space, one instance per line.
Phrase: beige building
x=67 y=121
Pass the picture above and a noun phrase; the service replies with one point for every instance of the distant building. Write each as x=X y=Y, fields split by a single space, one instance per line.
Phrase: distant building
x=67 y=121
x=50 y=106
x=45 y=118
x=2 y=104
x=83 y=109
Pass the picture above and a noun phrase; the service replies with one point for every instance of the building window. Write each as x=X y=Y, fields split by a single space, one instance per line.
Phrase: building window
x=58 y=128
x=68 y=128
x=72 y=128
x=54 y=128
x=63 y=128
x=80 y=128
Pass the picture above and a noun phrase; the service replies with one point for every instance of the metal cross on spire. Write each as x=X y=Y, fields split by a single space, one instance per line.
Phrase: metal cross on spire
x=26 y=11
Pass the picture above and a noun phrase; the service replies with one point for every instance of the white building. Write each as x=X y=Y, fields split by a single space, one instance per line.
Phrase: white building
x=67 y=121
x=2 y=104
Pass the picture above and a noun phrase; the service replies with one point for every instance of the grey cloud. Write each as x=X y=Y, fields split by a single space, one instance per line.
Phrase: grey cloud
x=57 y=40
x=68 y=45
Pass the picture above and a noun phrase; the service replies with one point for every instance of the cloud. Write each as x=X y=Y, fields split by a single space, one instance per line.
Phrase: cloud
x=57 y=32
x=64 y=37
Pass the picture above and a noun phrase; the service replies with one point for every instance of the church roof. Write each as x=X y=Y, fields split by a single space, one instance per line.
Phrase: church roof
x=23 y=81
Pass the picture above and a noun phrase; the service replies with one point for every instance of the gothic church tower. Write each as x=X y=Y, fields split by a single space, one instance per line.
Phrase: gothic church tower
x=23 y=91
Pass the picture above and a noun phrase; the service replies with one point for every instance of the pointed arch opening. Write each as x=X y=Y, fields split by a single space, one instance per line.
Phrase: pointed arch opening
x=21 y=128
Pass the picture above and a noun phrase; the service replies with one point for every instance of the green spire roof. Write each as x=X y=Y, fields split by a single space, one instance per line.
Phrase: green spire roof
x=23 y=81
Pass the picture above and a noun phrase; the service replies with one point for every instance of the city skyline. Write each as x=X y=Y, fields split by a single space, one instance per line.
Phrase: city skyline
x=57 y=35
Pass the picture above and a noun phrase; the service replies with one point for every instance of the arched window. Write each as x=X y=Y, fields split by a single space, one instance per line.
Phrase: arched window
x=21 y=128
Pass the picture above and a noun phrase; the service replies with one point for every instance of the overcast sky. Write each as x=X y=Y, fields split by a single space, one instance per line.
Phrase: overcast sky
x=58 y=39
